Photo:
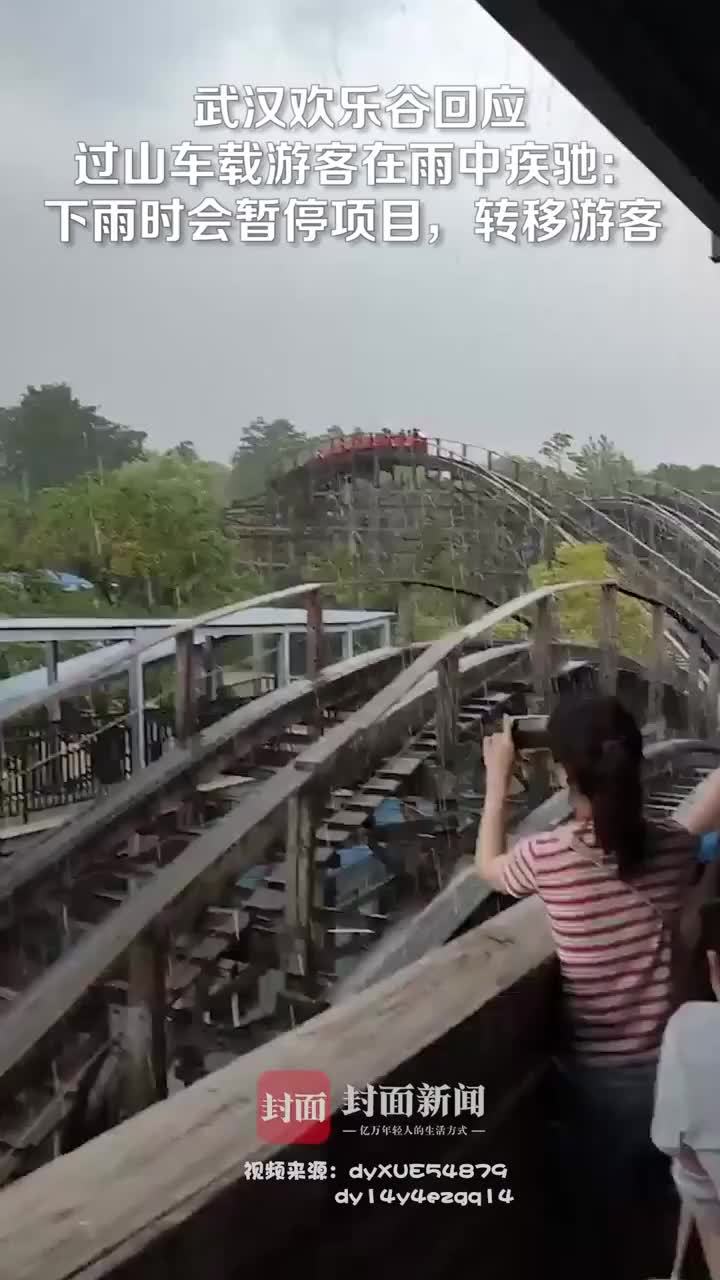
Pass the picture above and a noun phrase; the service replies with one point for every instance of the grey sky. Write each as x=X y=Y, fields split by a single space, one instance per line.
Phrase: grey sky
x=496 y=345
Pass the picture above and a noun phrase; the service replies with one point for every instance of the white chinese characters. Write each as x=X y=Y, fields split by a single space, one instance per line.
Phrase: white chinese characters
x=295 y=1108
x=424 y=1101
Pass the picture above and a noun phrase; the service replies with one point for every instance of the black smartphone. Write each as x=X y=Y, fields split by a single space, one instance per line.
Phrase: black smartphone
x=529 y=733
x=710 y=925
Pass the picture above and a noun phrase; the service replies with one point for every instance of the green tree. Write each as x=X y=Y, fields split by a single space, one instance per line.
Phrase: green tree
x=579 y=611
x=602 y=467
x=185 y=451
x=557 y=448
x=15 y=522
x=262 y=446
x=153 y=528
x=50 y=438
x=703 y=480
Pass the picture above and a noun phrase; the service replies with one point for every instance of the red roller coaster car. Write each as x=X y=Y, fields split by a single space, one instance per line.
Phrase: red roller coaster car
x=358 y=443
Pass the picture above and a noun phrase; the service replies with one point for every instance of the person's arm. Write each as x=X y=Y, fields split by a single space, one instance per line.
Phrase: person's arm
x=513 y=872
x=703 y=813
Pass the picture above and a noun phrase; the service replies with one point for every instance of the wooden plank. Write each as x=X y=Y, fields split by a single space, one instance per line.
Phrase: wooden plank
x=347 y=818
x=324 y=854
x=366 y=800
x=208 y=949
x=182 y=975
x=608 y=639
x=401 y=767
x=328 y=835
x=388 y=786
x=187 y=1150
x=36 y=826
x=224 y=780
x=265 y=899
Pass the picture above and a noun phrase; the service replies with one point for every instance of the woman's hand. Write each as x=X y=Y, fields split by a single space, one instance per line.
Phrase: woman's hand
x=499 y=758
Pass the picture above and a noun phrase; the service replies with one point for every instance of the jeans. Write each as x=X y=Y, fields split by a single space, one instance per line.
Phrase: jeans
x=610 y=1175
x=611 y=1113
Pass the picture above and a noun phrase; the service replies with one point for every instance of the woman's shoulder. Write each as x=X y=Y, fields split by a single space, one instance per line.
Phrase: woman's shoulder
x=554 y=840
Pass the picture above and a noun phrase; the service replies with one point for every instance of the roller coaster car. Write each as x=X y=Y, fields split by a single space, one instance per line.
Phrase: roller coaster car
x=363 y=443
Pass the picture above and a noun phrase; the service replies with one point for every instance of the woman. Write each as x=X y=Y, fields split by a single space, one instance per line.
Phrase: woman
x=686 y=1124
x=612 y=883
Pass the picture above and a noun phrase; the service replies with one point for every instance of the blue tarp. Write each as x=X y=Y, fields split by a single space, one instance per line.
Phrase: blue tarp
x=66 y=581
x=389 y=813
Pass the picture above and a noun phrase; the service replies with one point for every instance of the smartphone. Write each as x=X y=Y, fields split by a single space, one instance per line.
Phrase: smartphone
x=529 y=733
x=710 y=925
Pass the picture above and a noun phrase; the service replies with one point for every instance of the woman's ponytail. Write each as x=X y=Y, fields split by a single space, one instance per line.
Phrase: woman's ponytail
x=600 y=746
x=617 y=807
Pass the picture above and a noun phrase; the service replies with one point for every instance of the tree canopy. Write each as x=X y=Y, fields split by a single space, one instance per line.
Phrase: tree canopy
x=579 y=611
x=262 y=445
x=704 y=480
x=602 y=466
x=151 y=531
x=49 y=438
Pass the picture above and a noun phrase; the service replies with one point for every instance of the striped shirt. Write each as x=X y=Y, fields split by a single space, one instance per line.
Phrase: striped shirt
x=613 y=938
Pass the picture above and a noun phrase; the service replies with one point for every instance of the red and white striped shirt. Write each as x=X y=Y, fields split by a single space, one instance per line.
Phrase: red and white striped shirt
x=612 y=937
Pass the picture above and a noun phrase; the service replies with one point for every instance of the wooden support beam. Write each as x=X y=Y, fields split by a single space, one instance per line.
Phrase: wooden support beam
x=145 y=1054
x=212 y=674
x=541 y=655
x=314 y=653
x=608 y=639
x=657 y=664
x=694 y=691
x=259 y=656
x=282 y=659
x=406 y=615
x=54 y=710
x=446 y=720
x=52 y=654
x=185 y=700
x=315 y=643
x=300 y=892
x=136 y=708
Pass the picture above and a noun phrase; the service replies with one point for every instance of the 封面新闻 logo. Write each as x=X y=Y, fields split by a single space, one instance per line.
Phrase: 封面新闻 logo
x=293 y=1107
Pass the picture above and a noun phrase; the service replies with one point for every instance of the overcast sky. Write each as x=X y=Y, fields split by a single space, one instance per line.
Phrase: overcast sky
x=492 y=344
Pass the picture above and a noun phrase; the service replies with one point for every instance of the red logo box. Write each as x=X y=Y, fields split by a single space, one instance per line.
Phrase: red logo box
x=293 y=1107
